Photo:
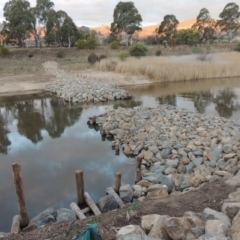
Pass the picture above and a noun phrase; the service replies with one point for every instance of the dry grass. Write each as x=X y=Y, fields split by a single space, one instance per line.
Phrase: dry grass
x=178 y=68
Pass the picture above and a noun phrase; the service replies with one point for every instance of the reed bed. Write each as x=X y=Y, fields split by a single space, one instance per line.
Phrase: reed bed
x=177 y=68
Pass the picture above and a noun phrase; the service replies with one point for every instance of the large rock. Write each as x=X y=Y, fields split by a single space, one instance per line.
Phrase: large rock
x=236 y=227
x=177 y=228
x=193 y=220
x=107 y=203
x=135 y=236
x=213 y=236
x=65 y=215
x=216 y=226
x=231 y=209
x=234 y=181
x=148 y=221
x=168 y=182
x=234 y=196
x=126 y=193
x=158 y=230
x=130 y=229
x=210 y=214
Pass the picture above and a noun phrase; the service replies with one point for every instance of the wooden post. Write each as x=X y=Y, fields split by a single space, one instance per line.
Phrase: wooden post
x=86 y=210
x=15 y=224
x=139 y=162
x=80 y=186
x=110 y=191
x=91 y=204
x=16 y=167
x=117 y=181
x=77 y=210
x=138 y=175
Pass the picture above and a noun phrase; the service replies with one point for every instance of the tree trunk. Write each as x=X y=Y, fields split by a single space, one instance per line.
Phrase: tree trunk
x=69 y=41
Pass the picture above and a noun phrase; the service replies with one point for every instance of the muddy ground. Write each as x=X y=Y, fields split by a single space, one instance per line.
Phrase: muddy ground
x=210 y=195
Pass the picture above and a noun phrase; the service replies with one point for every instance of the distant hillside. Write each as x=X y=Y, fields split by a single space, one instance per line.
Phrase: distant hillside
x=148 y=30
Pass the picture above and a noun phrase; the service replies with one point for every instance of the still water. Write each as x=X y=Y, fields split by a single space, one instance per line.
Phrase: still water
x=51 y=140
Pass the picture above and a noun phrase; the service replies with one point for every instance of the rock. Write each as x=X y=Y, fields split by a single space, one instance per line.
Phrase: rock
x=130 y=229
x=213 y=236
x=135 y=236
x=127 y=150
x=144 y=183
x=126 y=193
x=234 y=181
x=107 y=203
x=153 y=149
x=189 y=168
x=214 y=155
x=148 y=221
x=236 y=227
x=158 y=230
x=168 y=182
x=229 y=156
x=65 y=215
x=197 y=161
x=193 y=220
x=165 y=153
x=158 y=193
x=177 y=228
x=210 y=214
x=231 y=209
x=234 y=196
x=216 y=226
x=227 y=148
x=47 y=212
x=172 y=163
x=148 y=155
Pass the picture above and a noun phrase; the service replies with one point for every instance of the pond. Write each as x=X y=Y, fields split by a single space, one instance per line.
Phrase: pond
x=51 y=140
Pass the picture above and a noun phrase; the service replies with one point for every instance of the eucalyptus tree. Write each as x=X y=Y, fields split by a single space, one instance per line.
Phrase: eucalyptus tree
x=126 y=19
x=19 y=20
x=205 y=25
x=229 y=22
x=168 y=27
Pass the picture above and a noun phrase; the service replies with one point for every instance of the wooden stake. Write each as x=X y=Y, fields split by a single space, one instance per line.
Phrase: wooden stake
x=91 y=204
x=86 y=210
x=138 y=175
x=15 y=224
x=139 y=162
x=117 y=181
x=80 y=186
x=111 y=191
x=16 y=167
x=77 y=210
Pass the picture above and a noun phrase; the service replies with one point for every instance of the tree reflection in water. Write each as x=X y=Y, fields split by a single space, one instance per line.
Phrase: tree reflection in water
x=4 y=141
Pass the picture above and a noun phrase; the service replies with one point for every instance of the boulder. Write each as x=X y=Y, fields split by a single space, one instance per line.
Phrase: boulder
x=193 y=220
x=210 y=214
x=148 y=155
x=148 y=221
x=107 y=203
x=168 y=182
x=126 y=193
x=216 y=226
x=135 y=236
x=234 y=181
x=65 y=215
x=234 y=196
x=236 y=227
x=130 y=229
x=158 y=230
x=177 y=228
x=213 y=236
x=231 y=209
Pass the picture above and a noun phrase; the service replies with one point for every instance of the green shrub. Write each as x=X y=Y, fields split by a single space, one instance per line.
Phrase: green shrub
x=4 y=51
x=81 y=44
x=237 y=48
x=158 y=52
x=114 y=45
x=91 y=43
x=123 y=55
x=60 y=54
x=103 y=56
x=93 y=58
x=138 y=50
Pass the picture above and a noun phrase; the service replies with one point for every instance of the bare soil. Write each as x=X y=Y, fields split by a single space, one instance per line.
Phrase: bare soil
x=210 y=195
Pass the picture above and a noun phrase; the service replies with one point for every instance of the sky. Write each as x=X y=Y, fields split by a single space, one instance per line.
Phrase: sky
x=93 y=13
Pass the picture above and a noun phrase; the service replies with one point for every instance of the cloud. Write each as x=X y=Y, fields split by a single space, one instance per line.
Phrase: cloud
x=99 y=12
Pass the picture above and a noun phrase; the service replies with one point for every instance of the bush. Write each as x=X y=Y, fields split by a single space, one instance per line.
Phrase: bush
x=93 y=58
x=103 y=56
x=81 y=44
x=138 y=50
x=237 y=48
x=91 y=43
x=114 y=45
x=158 y=52
x=4 y=51
x=60 y=54
x=123 y=55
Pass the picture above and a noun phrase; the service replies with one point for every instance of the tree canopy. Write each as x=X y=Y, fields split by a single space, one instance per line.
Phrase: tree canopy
x=126 y=18
x=168 y=26
x=229 y=22
x=205 y=25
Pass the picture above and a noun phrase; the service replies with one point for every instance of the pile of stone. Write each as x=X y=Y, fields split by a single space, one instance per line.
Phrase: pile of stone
x=178 y=149
x=73 y=89
x=208 y=225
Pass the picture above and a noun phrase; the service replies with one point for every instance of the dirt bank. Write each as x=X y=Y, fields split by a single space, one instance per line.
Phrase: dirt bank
x=211 y=195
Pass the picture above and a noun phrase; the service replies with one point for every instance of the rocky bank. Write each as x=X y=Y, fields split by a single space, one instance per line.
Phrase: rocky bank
x=73 y=89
